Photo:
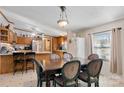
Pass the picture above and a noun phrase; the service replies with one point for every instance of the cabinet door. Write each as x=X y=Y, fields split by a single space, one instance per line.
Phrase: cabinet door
x=28 y=40
x=24 y=40
x=0 y=65
x=4 y=35
x=54 y=44
x=47 y=44
x=11 y=37
x=20 y=40
x=60 y=40
x=6 y=64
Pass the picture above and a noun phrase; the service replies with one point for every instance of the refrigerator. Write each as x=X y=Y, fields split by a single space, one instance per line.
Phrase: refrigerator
x=76 y=46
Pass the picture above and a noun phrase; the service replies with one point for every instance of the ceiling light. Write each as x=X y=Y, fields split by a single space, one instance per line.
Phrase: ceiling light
x=63 y=21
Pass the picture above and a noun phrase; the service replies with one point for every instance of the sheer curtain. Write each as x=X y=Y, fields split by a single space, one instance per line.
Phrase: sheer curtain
x=88 y=48
x=116 y=57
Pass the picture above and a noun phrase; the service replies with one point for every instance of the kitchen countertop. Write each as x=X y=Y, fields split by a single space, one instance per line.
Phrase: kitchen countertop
x=45 y=52
x=5 y=54
x=61 y=50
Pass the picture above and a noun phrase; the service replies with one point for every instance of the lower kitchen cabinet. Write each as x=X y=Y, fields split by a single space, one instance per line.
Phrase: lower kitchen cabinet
x=6 y=61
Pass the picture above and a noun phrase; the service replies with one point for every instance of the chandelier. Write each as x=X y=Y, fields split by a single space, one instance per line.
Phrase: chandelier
x=63 y=21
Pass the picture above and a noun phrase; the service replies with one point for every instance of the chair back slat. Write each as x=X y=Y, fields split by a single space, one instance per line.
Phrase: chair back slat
x=94 y=67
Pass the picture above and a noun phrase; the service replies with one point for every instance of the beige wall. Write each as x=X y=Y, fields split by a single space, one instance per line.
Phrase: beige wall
x=109 y=26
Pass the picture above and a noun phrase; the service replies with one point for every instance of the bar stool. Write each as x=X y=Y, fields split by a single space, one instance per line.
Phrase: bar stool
x=18 y=59
x=28 y=58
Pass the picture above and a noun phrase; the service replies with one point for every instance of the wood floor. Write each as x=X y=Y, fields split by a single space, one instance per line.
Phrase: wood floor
x=29 y=80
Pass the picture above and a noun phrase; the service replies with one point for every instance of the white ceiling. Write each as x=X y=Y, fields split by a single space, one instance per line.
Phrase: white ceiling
x=80 y=17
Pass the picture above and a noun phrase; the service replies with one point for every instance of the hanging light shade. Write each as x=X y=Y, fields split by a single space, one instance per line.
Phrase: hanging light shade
x=63 y=21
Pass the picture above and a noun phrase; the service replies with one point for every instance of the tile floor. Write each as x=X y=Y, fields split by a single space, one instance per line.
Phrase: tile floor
x=29 y=80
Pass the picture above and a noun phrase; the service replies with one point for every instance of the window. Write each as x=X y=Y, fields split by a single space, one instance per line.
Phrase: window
x=101 y=45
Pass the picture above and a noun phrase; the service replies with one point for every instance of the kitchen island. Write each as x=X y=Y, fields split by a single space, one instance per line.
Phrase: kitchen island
x=6 y=61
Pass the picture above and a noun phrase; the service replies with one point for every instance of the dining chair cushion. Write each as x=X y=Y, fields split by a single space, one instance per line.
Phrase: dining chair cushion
x=59 y=80
x=84 y=76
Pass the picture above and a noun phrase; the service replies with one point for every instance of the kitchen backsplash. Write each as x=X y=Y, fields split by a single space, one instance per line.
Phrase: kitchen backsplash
x=22 y=47
x=9 y=48
x=6 y=48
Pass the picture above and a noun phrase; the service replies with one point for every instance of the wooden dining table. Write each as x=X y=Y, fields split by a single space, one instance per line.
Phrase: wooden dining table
x=55 y=66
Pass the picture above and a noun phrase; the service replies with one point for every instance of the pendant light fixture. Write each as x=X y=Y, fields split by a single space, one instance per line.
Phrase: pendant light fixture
x=63 y=21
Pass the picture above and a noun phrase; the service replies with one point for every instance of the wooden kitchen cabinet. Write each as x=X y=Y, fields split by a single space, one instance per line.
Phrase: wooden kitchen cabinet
x=6 y=61
x=54 y=43
x=0 y=64
x=28 y=40
x=61 y=40
x=6 y=64
x=24 y=40
x=47 y=44
x=12 y=37
x=20 y=40
x=57 y=42
x=4 y=35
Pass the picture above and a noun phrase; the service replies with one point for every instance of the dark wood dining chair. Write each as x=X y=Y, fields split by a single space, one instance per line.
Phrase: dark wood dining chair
x=69 y=74
x=93 y=56
x=67 y=56
x=90 y=57
x=91 y=74
x=28 y=59
x=18 y=59
x=41 y=74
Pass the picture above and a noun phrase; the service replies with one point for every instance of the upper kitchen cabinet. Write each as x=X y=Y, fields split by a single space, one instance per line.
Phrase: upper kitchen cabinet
x=61 y=40
x=6 y=35
x=58 y=42
x=24 y=40
x=12 y=37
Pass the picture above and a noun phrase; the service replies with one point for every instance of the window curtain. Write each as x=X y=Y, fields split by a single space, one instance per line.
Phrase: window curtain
x=88 y=49
x=116 y=57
